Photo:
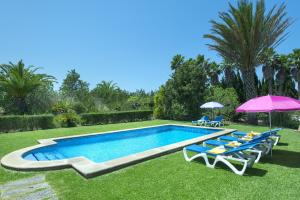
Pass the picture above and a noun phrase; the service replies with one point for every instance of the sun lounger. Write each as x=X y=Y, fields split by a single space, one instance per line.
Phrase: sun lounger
x=260 y=148
x=235 y=154
x=217 y=122
x=274 y=135
x=202 y=121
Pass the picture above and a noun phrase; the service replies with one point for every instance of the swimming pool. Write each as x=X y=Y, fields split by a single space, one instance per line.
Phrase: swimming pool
x=98 y=152
x=104 y=147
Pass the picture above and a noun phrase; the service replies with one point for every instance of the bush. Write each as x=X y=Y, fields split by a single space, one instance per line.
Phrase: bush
x=25 y=122
x=60 y=107
x=70 y=119
x=159 y=102
x=115 y=117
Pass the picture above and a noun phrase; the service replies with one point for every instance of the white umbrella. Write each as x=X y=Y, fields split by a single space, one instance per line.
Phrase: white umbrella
x=212 y=105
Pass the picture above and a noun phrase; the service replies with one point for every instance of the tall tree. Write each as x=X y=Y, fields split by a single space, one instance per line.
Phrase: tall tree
x=268 y=68
x=213 y=71
x=239 y=87
x=229 y=74
x=18 y=81
x=182 y=94
x=75 y=88
x=295 y=67
x=244 y=33
x=283 y=73
x=109 y=94
x=177 y=61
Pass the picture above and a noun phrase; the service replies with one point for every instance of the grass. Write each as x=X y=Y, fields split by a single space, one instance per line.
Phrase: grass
x=170 y=176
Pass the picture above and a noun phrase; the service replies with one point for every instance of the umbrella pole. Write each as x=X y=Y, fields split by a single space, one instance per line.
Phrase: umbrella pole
x=270 y=123
x=270 y=120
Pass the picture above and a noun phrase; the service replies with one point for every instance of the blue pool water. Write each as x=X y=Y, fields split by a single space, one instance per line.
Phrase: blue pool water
x=104 y=147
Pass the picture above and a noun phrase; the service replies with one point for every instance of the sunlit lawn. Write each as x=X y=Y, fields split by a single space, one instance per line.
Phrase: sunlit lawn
x=170 y=176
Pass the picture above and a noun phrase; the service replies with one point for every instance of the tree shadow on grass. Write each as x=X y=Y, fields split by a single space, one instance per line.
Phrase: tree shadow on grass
x=284 y=158
x=249 y=171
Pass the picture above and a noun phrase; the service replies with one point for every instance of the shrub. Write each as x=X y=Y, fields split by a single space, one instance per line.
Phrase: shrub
x=60 y=107
x=115 y=117
x=159 y=102
x=69 y=119
x=25 y=122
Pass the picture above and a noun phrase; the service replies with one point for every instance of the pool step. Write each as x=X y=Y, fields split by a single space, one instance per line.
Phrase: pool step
x=30 y=157
x=50 y=156
x=58 y=155
x=40 y=156
x=45 y=156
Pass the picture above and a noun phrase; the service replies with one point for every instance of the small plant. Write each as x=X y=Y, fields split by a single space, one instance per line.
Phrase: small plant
x=69 y=119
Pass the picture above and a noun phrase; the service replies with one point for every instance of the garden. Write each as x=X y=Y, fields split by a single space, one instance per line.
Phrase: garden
x=245 y=36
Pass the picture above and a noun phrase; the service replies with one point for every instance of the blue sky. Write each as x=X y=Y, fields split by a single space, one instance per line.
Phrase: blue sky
x=130 y=42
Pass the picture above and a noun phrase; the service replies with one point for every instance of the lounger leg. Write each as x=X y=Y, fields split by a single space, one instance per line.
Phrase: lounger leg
x=231 y=166
x=276 y=138
x=269 y=147
x=203 y=155
x=258 y=152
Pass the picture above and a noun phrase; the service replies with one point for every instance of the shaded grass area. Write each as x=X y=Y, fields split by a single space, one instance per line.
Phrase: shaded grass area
x=170 y=176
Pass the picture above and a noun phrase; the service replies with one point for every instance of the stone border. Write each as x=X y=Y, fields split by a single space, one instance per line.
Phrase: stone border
x=88 y=168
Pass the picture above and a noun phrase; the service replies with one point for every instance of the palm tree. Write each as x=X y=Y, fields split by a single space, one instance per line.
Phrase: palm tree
x=213 y=70
x=268 y=68
x=282 y=68
x=18 y=81
x=106 y=91
x=295 y=67
x=245 y=32
x=229 y=74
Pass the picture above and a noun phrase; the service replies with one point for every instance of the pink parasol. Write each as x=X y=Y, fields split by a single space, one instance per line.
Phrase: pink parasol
x=269 y=104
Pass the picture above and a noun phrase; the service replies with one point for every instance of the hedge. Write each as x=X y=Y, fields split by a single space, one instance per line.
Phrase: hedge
x=115 y=117
x=14 y=123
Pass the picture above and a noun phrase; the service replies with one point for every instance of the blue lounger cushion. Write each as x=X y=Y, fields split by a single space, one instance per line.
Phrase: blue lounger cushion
x=197 y=148
x=241 y=134
x=241 y=148
x=215 y=142
x=202 y=149
x=230 y=138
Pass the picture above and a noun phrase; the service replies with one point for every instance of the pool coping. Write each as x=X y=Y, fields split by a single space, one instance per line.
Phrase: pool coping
x=88 y=168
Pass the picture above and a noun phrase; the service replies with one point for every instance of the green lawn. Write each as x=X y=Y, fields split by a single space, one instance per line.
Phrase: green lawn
x=170 y=176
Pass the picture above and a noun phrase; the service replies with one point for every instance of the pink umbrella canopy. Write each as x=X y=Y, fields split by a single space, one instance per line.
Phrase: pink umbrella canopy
x=269 y=104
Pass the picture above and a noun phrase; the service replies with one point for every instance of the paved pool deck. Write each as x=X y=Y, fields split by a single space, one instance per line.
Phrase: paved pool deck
x=31 y=188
